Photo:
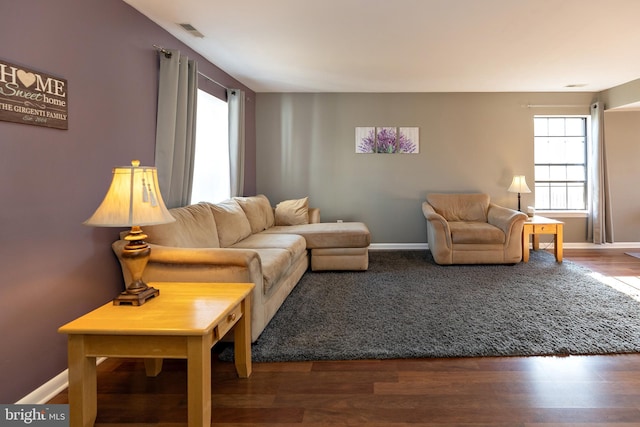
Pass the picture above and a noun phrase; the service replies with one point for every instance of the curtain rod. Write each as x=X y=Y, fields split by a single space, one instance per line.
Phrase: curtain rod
x=167 y=53
x=219 y=84
x=163 y=51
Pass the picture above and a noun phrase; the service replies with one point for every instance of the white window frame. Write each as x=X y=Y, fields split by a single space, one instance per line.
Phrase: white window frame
x=569 y=212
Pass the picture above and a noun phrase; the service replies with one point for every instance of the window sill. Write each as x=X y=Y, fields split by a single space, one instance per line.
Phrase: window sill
x=563 y=214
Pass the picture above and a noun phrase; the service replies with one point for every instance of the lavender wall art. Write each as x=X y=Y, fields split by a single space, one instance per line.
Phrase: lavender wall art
x=387 y=140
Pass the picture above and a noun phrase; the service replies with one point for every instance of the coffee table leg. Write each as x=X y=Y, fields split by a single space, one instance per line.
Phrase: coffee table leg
x=242 y=340
x=199 y=381
x=82 y=384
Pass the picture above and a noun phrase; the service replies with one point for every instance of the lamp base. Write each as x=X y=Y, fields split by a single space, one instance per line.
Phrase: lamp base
x=136 y=299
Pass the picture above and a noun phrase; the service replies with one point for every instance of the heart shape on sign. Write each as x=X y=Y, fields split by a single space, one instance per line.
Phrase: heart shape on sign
x=27 y=79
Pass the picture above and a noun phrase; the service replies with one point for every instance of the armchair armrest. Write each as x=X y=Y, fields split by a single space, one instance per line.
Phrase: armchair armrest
x=439 y=226
x=504 y=218
x=435 y=218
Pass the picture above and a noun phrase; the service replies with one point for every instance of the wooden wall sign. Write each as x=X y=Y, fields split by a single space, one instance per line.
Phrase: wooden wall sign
x=31 y=97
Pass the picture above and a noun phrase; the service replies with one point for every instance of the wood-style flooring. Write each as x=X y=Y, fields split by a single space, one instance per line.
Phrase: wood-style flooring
x=586 y=391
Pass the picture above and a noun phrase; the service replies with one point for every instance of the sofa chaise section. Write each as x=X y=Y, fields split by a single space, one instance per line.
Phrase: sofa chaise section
x=333 y=245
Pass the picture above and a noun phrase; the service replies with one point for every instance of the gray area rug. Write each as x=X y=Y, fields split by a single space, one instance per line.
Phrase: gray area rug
x=406 y=306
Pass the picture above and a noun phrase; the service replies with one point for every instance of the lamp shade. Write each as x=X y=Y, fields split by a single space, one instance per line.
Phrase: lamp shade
x=133 y=199
x=519 y=185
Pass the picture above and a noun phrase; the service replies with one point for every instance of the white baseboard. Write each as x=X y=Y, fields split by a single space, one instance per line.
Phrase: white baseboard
x=47 y=391
x=50 y=389
x=425 y=246
x=616 y=245
x=398 y=246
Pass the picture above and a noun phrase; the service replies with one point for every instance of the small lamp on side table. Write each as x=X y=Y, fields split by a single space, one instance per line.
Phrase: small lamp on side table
x=519 y=185
x=133 y=199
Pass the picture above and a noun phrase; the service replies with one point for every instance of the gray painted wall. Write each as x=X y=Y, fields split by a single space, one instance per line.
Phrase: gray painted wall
x=468 y=142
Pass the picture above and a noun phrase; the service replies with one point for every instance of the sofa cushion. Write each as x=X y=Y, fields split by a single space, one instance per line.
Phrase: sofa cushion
x=475 y=232
x=275 y=263
x=194 y=227
x=231 y=222
x=329 y=234
x=258 y=211
x=292 y=212
x=460 y=207
x=294 y=244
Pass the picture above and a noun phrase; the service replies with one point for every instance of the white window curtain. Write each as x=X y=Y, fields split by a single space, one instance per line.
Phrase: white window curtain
x=600 y=221
x=175 y=128
x=235 y=98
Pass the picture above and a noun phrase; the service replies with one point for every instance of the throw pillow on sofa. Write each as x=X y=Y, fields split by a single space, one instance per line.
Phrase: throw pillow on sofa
x=258 y=210
x=194 y=227
x=292 y=212
x=231 y=222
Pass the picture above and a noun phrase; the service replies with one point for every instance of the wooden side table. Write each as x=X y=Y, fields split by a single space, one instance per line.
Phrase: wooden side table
x=185 y=321
x=537 y=225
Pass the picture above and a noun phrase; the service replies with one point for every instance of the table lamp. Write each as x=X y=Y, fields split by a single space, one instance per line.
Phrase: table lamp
x=519 y=185
x=133 y=200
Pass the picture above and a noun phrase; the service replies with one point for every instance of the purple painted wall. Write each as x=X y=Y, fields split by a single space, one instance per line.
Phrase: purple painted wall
x=52 y=268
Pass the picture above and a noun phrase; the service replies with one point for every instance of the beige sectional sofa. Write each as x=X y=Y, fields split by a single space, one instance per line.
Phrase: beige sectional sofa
x=245 y=239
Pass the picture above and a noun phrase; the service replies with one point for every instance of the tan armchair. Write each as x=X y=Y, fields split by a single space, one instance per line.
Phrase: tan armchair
x=469 y=229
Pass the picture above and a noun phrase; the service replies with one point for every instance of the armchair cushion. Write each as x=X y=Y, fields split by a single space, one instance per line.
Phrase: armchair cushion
x=460 y=207
x=475 y=232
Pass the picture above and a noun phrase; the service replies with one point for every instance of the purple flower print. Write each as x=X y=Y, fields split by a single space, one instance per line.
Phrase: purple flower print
x=405 y=145
x=387 y=140
x=368 y=143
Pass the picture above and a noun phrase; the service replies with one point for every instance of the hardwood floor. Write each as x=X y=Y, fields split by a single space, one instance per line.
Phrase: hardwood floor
x=587 y=391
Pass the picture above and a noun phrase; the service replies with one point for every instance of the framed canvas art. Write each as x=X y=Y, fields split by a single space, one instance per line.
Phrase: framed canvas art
x=387 y=140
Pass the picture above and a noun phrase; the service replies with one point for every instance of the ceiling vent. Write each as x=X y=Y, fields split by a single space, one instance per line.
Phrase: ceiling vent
x=192 y=30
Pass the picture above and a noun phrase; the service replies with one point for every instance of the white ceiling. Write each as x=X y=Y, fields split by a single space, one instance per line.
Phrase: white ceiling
x=411 y=45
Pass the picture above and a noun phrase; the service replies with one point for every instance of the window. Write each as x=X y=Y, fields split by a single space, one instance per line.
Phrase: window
x=560 y=156
x=211 y=164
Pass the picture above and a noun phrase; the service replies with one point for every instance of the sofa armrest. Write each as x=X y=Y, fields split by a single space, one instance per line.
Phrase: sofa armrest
x=172 y=264
x=213 y=256
x=314 y=215
x=504 y=218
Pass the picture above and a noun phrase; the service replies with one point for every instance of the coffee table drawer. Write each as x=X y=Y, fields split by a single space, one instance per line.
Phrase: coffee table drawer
x=544 y=228
x=226 y=324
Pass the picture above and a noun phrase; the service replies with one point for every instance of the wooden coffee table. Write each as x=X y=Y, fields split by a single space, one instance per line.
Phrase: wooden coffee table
x=184 y=321
x=537 y=225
